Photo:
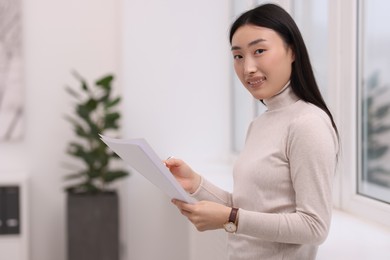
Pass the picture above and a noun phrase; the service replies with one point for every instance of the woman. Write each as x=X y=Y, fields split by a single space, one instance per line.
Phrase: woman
x=281 y=203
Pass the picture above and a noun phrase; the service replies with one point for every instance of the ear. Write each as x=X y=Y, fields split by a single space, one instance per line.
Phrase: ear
x=292 y=54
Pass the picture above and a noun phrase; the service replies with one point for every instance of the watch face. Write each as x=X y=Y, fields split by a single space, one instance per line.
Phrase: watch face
x=230 y=227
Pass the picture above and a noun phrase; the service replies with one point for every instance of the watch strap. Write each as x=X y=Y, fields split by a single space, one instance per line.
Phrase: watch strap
x=233 y=215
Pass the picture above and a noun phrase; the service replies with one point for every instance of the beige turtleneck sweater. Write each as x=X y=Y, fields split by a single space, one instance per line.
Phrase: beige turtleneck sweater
x=282 y=182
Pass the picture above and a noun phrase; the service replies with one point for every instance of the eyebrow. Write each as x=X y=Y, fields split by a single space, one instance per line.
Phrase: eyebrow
x=249 y=44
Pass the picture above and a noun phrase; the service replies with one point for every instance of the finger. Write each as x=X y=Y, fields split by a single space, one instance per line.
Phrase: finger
x=172 y=162
x=178 y=203
x=183 y=205
x=183 y=211
x=186 y=213
x=166 y=160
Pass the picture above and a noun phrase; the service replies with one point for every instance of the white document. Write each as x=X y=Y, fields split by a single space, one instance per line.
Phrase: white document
x=138 y=154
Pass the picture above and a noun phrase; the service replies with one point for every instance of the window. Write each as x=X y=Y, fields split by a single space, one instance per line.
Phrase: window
x=312 y=20
x=352 y=71
x=374 y=100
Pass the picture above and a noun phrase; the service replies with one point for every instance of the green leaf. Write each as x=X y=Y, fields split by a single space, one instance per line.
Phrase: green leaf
x=83 y=83
x=76 y=150
x=101 y=158
x=92 y=174
x=83 y=111
x=111 y=120
x=75 y=145
x=74 y=176
x=114 y=175
x=83 y=188
x=113 y=102
x=86 y=156
x=71 y=120
x=95 y=130
x=80 y=131
x=105 y=82
x=72 y=92
x=114 y=155
x=91 y=104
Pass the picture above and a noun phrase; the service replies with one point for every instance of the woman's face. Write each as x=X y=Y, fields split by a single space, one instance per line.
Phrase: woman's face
x=262 y=60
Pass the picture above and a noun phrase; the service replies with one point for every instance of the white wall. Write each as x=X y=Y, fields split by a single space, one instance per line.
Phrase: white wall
x=177 y=85
x=176 y=95
x=172 y=59
x=58 y=36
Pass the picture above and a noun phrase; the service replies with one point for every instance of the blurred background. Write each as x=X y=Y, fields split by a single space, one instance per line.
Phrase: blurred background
x=173 y=70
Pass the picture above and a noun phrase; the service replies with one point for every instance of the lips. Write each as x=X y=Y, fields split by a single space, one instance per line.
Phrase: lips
x=255 y=81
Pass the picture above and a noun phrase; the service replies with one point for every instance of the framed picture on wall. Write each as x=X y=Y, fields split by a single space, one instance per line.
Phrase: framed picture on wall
x=11 y=83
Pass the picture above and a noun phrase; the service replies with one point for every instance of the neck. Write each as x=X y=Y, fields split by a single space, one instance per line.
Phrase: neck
x=284 y=97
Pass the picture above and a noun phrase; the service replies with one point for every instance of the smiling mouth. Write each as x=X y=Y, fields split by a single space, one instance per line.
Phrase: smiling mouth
x=256 y=81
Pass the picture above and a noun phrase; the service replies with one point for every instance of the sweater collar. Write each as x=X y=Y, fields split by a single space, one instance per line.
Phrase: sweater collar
x=283 y=98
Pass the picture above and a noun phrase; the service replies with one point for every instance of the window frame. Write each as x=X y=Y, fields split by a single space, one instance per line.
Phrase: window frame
x=344 y=31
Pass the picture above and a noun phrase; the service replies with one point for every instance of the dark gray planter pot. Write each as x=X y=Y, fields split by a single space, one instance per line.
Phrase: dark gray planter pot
x=93 y=227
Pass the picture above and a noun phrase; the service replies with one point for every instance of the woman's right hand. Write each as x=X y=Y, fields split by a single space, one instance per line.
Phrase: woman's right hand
x=183 y=173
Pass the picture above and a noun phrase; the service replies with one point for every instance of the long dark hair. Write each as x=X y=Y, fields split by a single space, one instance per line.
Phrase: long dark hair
x=302 y=79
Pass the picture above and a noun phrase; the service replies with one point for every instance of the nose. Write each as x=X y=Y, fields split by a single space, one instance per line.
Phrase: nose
x=249 y=66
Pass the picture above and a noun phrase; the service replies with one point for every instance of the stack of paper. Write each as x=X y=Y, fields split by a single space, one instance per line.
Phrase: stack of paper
x=138 y=154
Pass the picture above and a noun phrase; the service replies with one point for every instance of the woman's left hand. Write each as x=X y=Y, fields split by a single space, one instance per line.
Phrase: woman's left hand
x=205 y=215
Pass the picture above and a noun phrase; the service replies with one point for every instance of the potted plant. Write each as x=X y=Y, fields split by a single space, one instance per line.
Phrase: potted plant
x=92 y=204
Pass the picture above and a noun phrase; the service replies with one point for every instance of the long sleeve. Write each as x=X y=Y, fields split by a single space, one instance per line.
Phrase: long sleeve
x=210 y=192
x=282 y=182
x=311 y=149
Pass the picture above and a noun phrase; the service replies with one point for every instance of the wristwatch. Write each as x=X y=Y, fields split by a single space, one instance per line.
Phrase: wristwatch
x=231 y=225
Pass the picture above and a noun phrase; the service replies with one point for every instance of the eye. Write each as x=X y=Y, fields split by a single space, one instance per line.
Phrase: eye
x=237 y=57
x=259 y=51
